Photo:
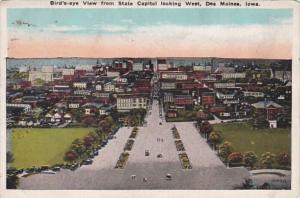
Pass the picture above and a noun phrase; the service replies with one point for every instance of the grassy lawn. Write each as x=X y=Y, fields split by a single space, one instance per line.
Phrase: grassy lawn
x=244 y=138
x=43 y=146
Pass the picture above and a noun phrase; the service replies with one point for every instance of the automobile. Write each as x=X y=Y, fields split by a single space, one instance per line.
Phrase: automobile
x=96 y=153
x=168 y=176
x=147 y=153
x=73 y=167
x=44 y=167
x=159 y=156
x=160 y=123
x=87 y=162
x=48 y=172
x=56 y=168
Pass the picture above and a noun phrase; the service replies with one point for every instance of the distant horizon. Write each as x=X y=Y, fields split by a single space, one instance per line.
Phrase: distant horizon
x=170 y=57
x=205 y=32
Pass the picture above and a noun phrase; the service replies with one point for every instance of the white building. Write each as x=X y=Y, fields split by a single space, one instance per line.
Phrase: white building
x=84 y=67
x=98 y=87
x=49 y=69
x=254 y=94
x=137 y=67
x=80 y=85
x=199 y=68
x=163 y=66
x=109 y=87
x=174 y=75
x=67 y=72
x=168 y=85
x=223 y=85
x=45 y=76
x=233 y=75
x=126 y=103
x=112 y=74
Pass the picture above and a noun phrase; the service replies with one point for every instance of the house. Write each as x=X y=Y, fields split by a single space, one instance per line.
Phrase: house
x=109 y=87
x=270 y=109
x=67 y=117
x=91 y=108
x=105 y=110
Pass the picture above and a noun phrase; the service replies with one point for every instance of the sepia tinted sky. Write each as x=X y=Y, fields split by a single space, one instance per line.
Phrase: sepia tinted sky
x=236 y=33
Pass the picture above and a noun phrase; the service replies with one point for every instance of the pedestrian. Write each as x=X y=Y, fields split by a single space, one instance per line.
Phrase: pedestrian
x=133 y=177
x=145 y=179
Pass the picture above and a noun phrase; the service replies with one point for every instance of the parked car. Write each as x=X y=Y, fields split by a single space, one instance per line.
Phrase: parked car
x=147 y=153
x=168 y=176
x=159 y=156
x=56 y=168
x=74 y=167
x=87 y=162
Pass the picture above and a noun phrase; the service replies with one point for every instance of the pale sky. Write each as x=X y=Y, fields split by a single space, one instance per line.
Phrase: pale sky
x=235 y=33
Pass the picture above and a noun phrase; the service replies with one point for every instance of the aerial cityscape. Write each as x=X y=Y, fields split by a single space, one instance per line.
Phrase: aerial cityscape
x=137 y=99
x=131 y=123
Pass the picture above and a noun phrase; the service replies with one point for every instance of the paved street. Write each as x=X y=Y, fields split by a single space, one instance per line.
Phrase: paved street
x=207 y=172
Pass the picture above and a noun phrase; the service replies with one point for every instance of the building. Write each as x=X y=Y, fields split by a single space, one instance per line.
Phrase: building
x=44 y=76
x=223 y=85
x=270 y=109
x=109 y=87
x=137 y=67
x=80 y=85
x=233 y=75
x=183 y=100
x=68 y=72
x=255 y=94
x=128 y=102
x=208 y=98
x=174 y=75
x=168 y=97
x=168 y=85
x=47 y=69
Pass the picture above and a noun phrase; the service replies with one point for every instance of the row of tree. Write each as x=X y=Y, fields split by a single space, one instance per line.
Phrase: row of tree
x=82 y=148
x=228 y=155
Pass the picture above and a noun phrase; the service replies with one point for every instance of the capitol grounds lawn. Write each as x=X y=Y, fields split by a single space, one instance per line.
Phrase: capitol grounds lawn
x=43 y=146
x=244 y=138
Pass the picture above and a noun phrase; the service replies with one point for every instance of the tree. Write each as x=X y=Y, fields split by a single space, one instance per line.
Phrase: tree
x=250 y=158
x=284 y=159
x=71 y=156
x=206 y=128
x=9 y=157
x=267 y=159
x=235 y=157
x=88 y=121
x=225 y=150
x=12 y=181
x=215 y=138
x=78 y=146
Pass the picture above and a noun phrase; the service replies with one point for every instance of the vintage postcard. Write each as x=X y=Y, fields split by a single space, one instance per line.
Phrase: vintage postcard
x=178 y=97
